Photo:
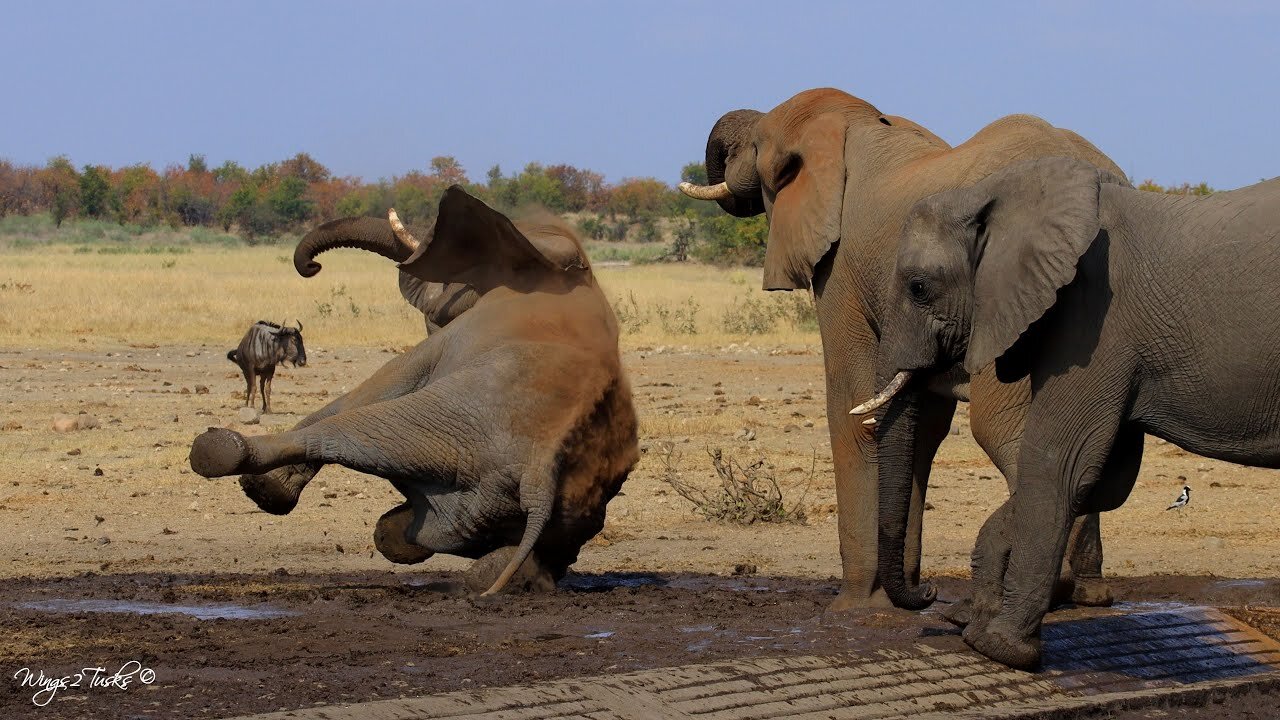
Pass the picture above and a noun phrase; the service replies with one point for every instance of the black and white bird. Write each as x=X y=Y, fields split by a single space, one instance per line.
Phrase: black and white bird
x=1183 y=499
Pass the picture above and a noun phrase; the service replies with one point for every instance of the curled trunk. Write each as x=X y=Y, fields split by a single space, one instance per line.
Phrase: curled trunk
x=364 y=233
x=731 y=158
x=896 y=440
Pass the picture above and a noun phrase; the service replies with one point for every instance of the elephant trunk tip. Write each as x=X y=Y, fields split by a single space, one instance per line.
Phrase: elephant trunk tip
x=308 y=269
x=916 y=597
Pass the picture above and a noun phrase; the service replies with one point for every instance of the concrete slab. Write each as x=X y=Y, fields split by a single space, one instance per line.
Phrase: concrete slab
x=1089 y=663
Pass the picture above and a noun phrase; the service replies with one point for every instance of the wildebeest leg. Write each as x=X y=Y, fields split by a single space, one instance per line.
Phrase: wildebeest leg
x=250 y=389
x=265 y=380
x=277 y=491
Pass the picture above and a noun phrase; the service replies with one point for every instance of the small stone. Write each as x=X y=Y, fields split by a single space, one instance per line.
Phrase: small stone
x=12 y=425
x=194 y=506
x=753 y=400
x=248 y=416
x=202 y=390
x=790 y=427
x=1214 y=543
x=955 y=429
x=166 y=383
x=928 y=505
x=97 y=472
x=104 y=541
x=340 y=550
x=745 y=569
x=74 y=451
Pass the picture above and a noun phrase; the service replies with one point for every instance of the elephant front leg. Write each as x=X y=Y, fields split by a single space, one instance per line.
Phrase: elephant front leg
x=989 y=560
x=1070 y=438
x=391 y=537
x=277 y=491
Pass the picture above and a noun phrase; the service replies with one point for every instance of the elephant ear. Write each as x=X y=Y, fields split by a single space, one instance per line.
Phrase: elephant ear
x=475 y=245
x=804 y=221
x=1032 y=223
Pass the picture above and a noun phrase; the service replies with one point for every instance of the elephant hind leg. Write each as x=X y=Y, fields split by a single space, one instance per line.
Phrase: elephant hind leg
x=531 y=575
x=537 y=498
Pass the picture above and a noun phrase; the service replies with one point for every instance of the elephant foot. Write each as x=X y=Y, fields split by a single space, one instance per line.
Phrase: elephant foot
x=277 y=491
x=391 y=537
x=847 y=600
x=1092 y=592
x=532 y=576
x=1019 y=653
x=218 y=452
x=960 y=613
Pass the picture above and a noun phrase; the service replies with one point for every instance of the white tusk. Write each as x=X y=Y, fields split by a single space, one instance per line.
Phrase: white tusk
x=405 y=237
x=884 y=395
x=706 y=192
x=869 y=421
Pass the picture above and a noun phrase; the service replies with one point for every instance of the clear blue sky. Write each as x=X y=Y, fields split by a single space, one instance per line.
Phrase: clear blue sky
x=1173 y=90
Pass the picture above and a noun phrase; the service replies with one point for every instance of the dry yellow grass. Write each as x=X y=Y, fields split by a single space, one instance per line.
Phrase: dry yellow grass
x=56 y=297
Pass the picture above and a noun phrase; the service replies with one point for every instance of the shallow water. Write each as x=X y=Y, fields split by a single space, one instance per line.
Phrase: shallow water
x=205 y=611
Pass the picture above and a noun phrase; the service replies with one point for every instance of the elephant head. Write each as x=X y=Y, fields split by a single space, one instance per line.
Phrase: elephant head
x=439 y=303
x=795 y=163
x=976 y=268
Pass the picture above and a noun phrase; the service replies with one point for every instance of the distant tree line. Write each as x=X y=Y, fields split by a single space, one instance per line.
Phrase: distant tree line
x=293 y=195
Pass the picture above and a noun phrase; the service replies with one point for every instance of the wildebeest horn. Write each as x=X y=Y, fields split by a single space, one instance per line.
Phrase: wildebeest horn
x=405 y=237
x=706 y=192
x=299 y=324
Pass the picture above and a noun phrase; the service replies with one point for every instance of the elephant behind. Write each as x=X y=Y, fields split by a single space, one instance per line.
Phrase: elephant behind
x=507 y=431
x=836 y=177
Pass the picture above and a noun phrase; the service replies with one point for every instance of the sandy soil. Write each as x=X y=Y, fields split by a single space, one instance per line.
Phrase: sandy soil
x=115 y=513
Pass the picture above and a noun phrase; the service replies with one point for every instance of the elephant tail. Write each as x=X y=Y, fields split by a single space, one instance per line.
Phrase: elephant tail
x=539 y=514
x=364 y=233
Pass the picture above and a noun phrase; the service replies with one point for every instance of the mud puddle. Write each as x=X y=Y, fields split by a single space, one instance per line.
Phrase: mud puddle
x=353 y=637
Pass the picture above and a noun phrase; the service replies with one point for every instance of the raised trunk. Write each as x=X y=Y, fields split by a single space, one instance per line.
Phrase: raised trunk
x=364 y=233
x=896 y=443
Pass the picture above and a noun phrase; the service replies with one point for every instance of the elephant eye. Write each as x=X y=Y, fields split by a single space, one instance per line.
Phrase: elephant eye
x=918 y=289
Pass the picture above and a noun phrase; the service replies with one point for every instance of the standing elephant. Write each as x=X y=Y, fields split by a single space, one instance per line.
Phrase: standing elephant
x=1131 y=313
x=508 y=431
x=836 y=177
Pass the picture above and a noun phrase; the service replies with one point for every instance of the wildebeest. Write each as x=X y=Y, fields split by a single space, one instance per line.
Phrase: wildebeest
x=261 y=349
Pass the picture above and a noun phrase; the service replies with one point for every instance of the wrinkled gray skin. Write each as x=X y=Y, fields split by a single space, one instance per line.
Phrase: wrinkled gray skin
x=1132 y=313
x=836 y=178
x=507 y=431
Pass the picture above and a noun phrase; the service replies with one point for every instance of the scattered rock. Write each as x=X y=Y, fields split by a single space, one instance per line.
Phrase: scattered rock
x=745 y=569
x=248 y=416
x=166 y=383
x=98 y=519
x=104 y=540
x=808 y=423
x=340 y=550
x=97 y=472
x=955 y=429
x=12 y=425
x=1214 y=543
x=71 y=423
x=1215 y=483
x=790 y=427
x=184 y=391
x=202 y=390
x=753 y=400
x=745 y=434
x=73 y=451
x=928 y=505
x=167 y=531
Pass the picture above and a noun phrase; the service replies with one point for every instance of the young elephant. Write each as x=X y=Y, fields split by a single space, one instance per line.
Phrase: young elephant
x=1131 y=312
x=507 y=431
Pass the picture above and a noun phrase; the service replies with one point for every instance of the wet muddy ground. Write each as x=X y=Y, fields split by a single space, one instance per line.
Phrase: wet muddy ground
x=222 y=645
x=94 y=518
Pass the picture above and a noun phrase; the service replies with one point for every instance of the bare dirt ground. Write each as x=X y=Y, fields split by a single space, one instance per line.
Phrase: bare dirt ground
x=114 y=514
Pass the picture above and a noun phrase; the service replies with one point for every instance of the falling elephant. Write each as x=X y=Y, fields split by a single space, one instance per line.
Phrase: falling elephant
x=507 y=431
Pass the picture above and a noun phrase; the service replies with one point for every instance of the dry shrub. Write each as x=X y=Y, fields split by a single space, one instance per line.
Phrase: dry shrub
x=745 y=495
